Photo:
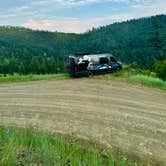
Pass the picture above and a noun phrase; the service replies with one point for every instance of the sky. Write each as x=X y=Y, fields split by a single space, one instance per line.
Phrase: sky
x=75 y=16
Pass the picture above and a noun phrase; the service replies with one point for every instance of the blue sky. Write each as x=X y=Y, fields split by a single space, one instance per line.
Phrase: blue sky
x=75 y=15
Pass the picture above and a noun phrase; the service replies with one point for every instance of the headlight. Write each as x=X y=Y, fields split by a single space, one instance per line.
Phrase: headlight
x=103 y=67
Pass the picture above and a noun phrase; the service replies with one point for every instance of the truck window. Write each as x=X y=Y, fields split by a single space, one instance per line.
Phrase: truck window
x=112 y=59
x=103 y=60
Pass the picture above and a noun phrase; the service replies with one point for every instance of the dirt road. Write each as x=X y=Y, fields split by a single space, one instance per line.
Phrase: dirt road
x=129 y=117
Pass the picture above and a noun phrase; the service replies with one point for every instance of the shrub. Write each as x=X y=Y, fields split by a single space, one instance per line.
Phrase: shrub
x=160 y=69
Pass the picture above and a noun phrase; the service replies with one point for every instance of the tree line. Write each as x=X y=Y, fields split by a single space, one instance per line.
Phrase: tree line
x=36 y=65
x=26 y=51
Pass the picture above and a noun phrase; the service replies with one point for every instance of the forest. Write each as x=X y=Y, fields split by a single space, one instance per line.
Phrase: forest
x=24 y=51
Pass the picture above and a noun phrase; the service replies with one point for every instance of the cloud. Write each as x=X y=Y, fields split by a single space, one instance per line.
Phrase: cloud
x=45 y=17
x=73 y=25
x=65 y=25
x=79 y=25
x=77 y=3
x=17 y=13
x=148 y=9
x=65 y=3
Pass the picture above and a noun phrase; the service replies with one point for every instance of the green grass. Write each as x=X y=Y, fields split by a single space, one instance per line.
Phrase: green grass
x=31 y=77
x=130 y=76
x=148 y=81
x=137 y=77
x=33 y=147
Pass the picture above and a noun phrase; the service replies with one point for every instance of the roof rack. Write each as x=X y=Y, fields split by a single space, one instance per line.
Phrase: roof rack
x=88 y=53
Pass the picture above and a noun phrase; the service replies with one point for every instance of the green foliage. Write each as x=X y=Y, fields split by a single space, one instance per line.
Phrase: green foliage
x=26 y=51
x=160 y=69
x=33 y=147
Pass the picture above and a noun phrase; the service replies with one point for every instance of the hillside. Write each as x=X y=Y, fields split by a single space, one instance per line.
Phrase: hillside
x=27 y=51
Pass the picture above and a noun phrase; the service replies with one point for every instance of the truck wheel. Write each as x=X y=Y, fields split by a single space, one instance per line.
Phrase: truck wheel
x=90 y=73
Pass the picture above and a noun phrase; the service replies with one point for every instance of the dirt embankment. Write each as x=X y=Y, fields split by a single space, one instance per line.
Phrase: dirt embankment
x=121 y=115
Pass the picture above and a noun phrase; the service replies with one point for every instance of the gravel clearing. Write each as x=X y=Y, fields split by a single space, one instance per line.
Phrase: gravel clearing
x=119 y=115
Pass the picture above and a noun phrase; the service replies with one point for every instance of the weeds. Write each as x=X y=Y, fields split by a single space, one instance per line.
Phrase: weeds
x=148 y=81
x=33 y=147
x=144 y=77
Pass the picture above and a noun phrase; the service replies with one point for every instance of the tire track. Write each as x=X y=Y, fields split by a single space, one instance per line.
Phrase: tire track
x=128 y=117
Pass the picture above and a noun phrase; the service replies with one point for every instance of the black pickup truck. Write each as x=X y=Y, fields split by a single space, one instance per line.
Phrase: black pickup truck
x=87 y=64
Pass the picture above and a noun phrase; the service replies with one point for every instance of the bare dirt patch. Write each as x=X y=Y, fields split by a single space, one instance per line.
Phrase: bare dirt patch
x=128 y=117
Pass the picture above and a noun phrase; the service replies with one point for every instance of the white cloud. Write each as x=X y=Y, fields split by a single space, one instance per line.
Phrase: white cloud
x=73 y=25
x=66 y=3
x=38 y=18
x=78 y=25
x=65 y=25
x=149 y=9
x=77 y=3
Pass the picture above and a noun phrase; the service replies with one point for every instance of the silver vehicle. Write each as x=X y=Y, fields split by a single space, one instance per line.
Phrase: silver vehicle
x=98 y=63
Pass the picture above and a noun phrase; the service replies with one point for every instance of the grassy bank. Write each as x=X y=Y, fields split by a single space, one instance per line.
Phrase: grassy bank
x=31 y=77
x=148 y=81
x=136 y=77
x=132 y=77
x=33 y=147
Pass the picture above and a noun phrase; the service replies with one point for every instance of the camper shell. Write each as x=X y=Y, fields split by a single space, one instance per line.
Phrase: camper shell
x=96 y=63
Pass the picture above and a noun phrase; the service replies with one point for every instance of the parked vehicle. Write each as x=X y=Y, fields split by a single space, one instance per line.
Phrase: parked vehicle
x=86 y=64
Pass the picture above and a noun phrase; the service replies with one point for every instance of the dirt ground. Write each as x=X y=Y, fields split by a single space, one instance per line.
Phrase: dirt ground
x=129 y=117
